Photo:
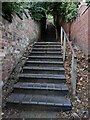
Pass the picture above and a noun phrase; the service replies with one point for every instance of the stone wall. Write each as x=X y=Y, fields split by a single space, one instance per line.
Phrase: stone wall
x=79 y=30
x=15 y=37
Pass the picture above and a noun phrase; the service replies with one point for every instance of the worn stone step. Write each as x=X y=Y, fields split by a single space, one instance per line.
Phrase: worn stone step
x=45 y=58
x=45 y=53
x=48 y=57
x=43 y=70
x=60 y=102
x=44 y=63
x=47 y=46
x=42 y=78
x=36 y=88
x=47 y=49
x=45 y=43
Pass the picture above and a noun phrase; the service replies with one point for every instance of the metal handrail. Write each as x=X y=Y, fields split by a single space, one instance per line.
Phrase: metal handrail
x=74 y=59
x=72 y=50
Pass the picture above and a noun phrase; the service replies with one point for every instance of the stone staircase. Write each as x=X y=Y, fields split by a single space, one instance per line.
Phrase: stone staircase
x=42 y=84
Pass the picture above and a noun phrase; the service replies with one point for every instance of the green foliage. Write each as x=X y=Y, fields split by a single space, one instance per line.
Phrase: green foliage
x=38 y=10
x=50 y=18
x=88 y=2
x=70 y=11
x=67 y=10
x=10 y=8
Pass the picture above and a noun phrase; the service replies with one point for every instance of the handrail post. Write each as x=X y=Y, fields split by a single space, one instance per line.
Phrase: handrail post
x=74 y=60
x=61 y=35
x=64 y=47
x=73 y=75
x=56 y=34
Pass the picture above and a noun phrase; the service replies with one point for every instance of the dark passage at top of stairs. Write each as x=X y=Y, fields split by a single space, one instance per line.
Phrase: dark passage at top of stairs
x=50 y=33
x=42 y=84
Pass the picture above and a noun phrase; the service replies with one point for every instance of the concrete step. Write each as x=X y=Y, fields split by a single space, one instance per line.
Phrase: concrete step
x=45 y=58
x=44 y=63
x=42 y=78
x=47 y=46
x=45 y=53
x=46 y=43
x=47 y=49
x=36 y=88
x=43 y=70
x=57 y=103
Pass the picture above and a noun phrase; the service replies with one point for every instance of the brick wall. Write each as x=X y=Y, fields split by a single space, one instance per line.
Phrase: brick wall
x=79 y=29
x=15 y=37
x=89 y=31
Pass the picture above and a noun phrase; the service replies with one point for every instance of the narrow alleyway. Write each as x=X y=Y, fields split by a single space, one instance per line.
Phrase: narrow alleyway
x=44 y=60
